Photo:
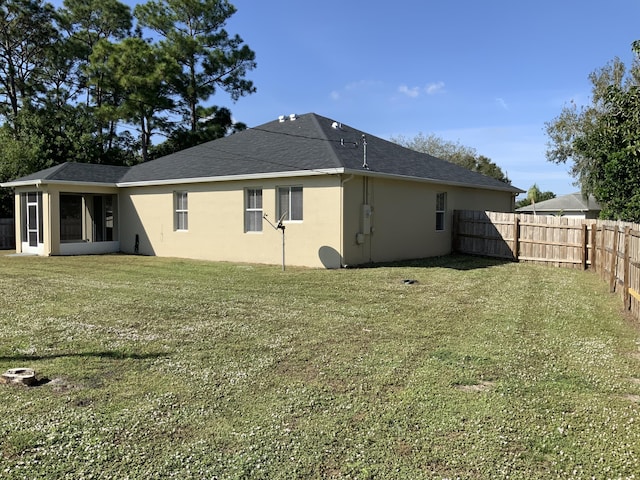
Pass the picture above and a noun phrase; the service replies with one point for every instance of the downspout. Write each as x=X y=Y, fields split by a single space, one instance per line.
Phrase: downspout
x=341 y=242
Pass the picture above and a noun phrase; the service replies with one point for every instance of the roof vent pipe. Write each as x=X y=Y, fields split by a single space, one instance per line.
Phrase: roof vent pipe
x=364 y=153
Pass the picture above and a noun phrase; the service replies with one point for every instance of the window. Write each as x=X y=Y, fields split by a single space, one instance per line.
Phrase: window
x=253 y=210
x=441 y=208
x=71 y=209
x=290 y=203
x=181 y=221
x=103 y=218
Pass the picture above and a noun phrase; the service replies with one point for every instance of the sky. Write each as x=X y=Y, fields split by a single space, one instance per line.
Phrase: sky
x=487 y=75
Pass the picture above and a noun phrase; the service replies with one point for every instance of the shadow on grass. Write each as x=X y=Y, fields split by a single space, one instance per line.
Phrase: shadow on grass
x=453 y=261
x=113 y=354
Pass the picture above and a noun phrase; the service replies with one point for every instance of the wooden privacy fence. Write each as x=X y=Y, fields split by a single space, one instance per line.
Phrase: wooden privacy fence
x=611 y=249
x=7 y=234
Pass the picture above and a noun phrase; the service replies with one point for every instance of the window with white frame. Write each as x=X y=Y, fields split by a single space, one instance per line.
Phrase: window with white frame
x=290 y=203
x=253 y=210
x=181 y=206
x=441 y=209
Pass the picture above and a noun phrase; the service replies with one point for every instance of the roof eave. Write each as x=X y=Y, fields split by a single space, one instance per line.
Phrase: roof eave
x=21 y=184
x=37 y=183
x=370 y=173
x=227 y=178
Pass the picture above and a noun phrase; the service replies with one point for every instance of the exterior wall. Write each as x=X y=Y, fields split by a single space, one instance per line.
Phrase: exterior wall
x=216 y=223
x=403 y=218
x=335 y=231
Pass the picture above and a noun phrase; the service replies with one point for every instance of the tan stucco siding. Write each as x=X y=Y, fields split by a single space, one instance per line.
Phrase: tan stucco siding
x=403 y=217
x=216 y=229
x=480 y=199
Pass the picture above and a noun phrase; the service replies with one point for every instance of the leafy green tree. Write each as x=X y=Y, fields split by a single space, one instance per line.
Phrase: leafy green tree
x=574 y=122
x=602 y=140
x=453 y=152
x=193 y=34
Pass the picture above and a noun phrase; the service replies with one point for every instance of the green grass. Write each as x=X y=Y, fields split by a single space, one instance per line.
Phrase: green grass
x=164 y=368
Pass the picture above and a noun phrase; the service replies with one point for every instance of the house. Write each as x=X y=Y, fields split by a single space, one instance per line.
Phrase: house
x=343 y=196
x=574 y=205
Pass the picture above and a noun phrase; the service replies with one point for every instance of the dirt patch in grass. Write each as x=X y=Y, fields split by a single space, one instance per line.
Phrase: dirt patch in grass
x=477 y=387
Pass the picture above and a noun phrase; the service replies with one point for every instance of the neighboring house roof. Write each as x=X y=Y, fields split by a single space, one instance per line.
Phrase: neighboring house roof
x=574 y=202
x=295 y=145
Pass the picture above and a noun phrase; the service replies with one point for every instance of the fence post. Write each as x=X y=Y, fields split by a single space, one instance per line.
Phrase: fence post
x=454 y=239
x=614 y=262
x=516 y=237
x=627 y=255
x=584 y=240
x=603 y=252
x=593 y=257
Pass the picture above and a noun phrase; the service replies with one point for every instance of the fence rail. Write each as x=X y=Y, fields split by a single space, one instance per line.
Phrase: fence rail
x=611 y=249
x=7 y=234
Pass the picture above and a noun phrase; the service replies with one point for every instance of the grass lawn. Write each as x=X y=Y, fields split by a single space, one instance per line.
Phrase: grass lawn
x=164 y=368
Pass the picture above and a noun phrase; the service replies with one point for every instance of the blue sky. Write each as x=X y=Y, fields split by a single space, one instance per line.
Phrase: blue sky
x=486 y=74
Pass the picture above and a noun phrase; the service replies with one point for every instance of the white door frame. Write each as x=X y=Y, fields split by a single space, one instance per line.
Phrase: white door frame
x=32 y=244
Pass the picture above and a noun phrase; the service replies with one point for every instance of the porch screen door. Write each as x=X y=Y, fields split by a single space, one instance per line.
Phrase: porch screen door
x=33 y=219
x=32 y=222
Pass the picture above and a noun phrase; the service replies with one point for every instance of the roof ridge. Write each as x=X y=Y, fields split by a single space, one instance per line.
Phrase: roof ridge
x=52 y=170
x=329 y=144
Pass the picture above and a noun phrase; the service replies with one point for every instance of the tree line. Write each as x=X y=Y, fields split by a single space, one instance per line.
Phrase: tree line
x=95 y=81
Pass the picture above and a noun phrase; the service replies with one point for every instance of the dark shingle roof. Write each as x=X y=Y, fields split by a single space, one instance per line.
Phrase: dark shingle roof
x=77 y=172
x=310 y=142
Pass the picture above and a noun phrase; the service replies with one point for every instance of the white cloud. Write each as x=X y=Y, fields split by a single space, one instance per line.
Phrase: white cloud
x=415 y=92
x=334 y=95
x=434 y=88
x=502 y=103
x=409 y=92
